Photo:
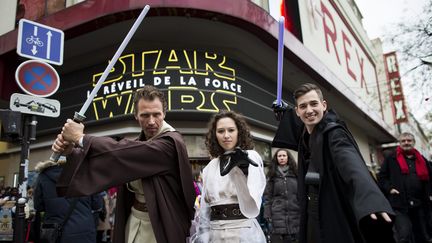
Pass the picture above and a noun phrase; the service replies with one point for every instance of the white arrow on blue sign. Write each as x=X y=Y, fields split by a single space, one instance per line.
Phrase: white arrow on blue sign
x=41 y=42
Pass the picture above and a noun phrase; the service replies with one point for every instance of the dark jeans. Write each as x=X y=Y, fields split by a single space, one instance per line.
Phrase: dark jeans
x=313 y=226
x=411 y=227
x=283 y=238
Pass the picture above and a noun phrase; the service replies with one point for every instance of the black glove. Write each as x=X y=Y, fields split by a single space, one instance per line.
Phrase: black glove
x=237 y=157
x=279 y=109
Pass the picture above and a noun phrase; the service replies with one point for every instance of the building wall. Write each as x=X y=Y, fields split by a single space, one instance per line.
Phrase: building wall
x=383 y=83
x=362 y=141
x=8 y=11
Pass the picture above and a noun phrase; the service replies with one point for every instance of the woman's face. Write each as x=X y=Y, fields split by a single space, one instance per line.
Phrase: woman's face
x=282 y=157
x=226 y=133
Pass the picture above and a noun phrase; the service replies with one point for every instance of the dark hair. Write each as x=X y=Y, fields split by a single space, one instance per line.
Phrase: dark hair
x=292 y=165
x=244 y=137
x=305 y=88
x=149 y=93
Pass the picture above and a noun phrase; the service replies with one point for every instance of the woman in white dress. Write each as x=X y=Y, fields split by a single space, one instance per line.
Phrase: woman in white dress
x=233 y=184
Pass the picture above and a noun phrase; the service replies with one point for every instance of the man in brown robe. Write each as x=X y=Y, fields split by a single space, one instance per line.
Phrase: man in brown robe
x=156 y=197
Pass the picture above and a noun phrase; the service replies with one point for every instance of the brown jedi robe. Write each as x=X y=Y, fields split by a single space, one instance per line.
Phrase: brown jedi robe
x=163 y=165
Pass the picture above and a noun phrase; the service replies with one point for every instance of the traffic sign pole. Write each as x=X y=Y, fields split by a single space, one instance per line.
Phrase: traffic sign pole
x=29 y=134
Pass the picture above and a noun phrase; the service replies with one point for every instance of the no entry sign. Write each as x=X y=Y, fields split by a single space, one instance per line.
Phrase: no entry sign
x=37 y=78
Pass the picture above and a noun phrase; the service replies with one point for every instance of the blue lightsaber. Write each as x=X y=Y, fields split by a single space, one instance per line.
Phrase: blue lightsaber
x=280 y=60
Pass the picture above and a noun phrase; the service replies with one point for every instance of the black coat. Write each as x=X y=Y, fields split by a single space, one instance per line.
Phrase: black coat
x=390 y=176
x=347 y=192
x=281 y=204
x=80 y=226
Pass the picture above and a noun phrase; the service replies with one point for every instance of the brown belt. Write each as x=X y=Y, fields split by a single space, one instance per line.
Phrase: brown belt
x=140 y=206
x=226 y=212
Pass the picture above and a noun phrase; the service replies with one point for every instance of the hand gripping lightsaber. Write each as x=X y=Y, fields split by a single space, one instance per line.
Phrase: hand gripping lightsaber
x=280 y=60
x=79 y=116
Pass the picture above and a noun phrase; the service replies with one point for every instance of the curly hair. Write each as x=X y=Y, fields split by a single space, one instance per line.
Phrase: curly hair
x=245 y=141
x=292 y=165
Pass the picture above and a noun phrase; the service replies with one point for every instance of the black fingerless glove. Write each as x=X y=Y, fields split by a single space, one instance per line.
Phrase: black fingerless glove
x=237 y=157
x=279 y=109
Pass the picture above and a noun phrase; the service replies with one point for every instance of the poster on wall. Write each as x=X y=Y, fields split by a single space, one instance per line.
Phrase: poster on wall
x=6 y=230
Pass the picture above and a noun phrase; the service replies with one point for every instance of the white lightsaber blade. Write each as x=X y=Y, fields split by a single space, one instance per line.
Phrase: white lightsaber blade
x=80 y=116
x=113 y=60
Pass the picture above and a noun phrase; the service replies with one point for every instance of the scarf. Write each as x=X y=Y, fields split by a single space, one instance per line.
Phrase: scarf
x=163 y=129
x=420 y=163
x=283 y=169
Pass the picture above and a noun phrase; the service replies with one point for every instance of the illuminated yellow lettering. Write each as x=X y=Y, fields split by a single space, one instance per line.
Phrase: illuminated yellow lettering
x=191 y=98
x=113 y=105
x=213 y=60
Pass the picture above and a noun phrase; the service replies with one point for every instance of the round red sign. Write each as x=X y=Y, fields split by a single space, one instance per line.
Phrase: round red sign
x=37 y=78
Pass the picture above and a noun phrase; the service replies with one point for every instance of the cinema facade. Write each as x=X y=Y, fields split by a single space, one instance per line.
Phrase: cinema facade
x=206 y=56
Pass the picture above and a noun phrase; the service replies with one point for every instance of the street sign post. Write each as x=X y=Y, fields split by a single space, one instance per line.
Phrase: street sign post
x=37 y=78
x=34 y=105
x=41 y=42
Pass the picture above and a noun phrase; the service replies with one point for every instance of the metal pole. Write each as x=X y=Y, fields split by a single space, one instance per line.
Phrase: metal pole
x=19 y=225
x=25 y=146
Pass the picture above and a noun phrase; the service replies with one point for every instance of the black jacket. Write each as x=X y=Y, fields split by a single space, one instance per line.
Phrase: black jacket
x=80 y=226
x=281 y=204
x=390 y=176
x=347 y=192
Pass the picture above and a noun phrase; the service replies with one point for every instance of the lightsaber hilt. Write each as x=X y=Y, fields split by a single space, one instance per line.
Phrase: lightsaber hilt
x=55 y=156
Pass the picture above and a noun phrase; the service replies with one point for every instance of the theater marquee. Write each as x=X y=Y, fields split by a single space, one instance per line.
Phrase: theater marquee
x=193 y=81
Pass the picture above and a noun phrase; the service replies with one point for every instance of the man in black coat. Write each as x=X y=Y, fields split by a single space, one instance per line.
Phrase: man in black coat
x=339 y=199
x=405 y=178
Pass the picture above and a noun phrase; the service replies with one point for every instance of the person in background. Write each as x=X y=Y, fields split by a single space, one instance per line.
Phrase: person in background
x=405 y=177
x=103 y=226
x=233 y=184
x=80 y=226
x=282 y=208
x=339 y=199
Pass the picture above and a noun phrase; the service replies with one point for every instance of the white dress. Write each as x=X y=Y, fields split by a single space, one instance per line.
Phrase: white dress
x=234 y=187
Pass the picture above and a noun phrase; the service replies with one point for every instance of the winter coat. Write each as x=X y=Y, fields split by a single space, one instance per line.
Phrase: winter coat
x=281 y=205
x=390 y=176
x=347 y=192
x=80 y=227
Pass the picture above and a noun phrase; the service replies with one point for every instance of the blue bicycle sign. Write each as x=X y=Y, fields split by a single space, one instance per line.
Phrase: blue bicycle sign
x=40 y=42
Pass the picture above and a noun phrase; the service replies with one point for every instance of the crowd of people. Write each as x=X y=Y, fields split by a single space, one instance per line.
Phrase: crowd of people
x=325 y=195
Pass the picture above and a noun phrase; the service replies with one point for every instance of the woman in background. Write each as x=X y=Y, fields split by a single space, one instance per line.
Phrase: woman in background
x=281 y=208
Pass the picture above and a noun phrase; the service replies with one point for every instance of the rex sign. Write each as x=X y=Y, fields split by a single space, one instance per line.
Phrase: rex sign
x=334 y=39
x=395 y=87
